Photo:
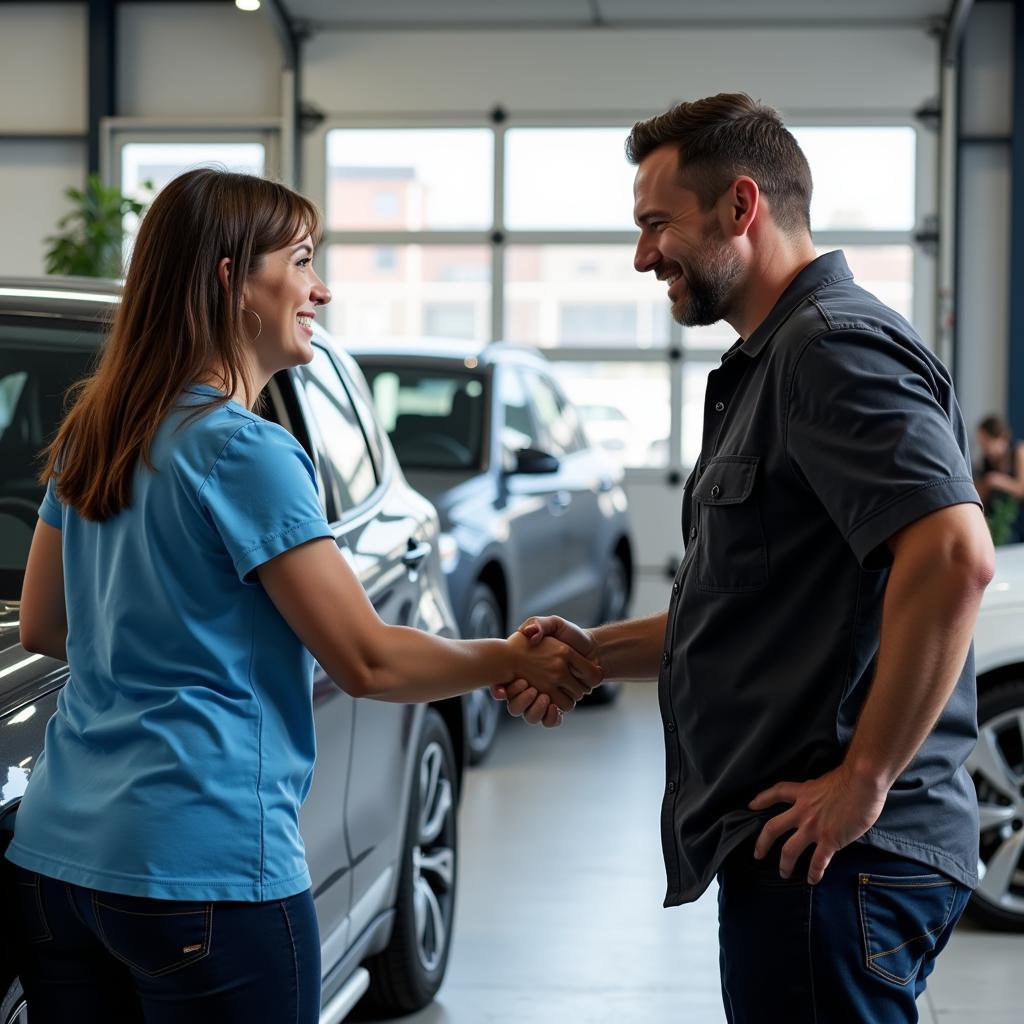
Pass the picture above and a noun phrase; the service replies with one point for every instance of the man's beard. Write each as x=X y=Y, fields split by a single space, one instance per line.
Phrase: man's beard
x=710 y=286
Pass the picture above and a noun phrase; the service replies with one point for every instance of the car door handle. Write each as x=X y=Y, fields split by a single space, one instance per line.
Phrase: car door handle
x=416 y=553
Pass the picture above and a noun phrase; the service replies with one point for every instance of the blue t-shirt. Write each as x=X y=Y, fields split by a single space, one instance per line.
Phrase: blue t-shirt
x=183 y=744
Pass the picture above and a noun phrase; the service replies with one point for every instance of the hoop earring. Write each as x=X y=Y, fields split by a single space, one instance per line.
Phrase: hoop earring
x=258 y=321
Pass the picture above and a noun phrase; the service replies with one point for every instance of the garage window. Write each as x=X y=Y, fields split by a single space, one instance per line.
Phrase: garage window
x=497 y=235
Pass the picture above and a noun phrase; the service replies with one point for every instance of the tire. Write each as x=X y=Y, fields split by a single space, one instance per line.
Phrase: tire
x=997 y=767
x=484 y=620
x=406 y=975
x=614 y=606
x=13 y=1009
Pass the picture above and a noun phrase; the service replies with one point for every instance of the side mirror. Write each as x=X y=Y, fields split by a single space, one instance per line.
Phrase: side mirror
x=532 y=460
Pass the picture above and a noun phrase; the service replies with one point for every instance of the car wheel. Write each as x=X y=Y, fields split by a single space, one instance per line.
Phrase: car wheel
x=484 y=712
x=14 y=1009
x=614 y=605
x=997 y=767
x=406 y=975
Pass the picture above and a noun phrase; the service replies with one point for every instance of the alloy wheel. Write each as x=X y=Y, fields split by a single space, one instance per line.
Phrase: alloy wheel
x=997 y=767
x=433 y=858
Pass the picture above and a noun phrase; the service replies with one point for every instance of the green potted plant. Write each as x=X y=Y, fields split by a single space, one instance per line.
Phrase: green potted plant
x=91 y=238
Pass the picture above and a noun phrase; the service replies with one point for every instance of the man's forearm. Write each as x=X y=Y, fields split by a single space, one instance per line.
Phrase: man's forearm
x=927 y=621
x=631 y=649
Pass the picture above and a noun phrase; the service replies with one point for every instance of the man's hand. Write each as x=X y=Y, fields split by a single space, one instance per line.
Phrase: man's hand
x=829 y=812
x=525 y=700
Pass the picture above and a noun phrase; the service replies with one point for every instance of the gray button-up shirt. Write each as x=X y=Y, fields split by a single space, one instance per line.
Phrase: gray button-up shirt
x=827 y=431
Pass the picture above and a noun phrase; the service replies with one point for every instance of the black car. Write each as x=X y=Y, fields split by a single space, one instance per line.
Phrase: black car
x=534 y=517
x=379 y=823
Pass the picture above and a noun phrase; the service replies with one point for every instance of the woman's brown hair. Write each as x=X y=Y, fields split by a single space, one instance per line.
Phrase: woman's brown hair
x=175 y=324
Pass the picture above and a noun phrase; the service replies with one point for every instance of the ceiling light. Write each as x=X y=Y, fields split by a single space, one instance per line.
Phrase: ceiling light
x=247 y=5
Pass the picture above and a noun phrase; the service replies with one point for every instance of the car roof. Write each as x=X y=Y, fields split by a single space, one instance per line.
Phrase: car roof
x=424 y=351
x=75 y=298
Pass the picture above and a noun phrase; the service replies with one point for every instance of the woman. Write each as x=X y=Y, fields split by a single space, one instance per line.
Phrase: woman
x=1000 y=480
x=182 y=565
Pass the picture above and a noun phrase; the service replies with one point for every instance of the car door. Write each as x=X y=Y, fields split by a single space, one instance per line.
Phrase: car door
x=533 y=504
x=382 y=537
x=579 y=482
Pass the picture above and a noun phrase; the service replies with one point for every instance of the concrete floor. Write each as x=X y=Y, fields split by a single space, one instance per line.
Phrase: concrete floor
x=561 y=884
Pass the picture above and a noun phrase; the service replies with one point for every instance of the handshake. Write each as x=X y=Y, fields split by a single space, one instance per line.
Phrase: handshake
x=557 y=665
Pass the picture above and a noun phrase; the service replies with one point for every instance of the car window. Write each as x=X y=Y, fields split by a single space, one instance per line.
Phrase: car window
x=558 y=419
x=346 y=466
x=37 y=366
x=518 y=429
x=434 y=417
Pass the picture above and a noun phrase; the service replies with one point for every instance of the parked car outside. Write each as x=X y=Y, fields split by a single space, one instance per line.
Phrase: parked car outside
x=997 y=764
x=534 y=516
x=379 y=822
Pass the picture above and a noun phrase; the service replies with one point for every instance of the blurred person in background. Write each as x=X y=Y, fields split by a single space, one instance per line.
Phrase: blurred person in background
x=999 y=476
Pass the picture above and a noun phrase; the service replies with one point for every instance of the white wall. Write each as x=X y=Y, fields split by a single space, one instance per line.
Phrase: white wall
x=42 y=90
x=196 y=60
x=603 y=70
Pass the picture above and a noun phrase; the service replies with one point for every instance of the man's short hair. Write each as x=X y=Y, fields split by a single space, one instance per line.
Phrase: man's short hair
x=722 y=137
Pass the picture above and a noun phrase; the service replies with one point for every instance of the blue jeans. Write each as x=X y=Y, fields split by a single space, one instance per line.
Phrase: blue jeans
x=89 y=957
x=854 y=949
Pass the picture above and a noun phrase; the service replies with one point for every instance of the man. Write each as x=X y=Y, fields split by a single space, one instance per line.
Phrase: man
x=815 y=670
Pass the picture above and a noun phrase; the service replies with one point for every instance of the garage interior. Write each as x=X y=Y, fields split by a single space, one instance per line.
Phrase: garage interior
x=913 y=110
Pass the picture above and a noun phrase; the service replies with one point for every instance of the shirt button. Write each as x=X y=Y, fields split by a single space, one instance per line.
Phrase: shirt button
x=719 y=406
x=693 y=533
x=665 y=657
x=671 y=787
x=716 y=491
x=671 y=726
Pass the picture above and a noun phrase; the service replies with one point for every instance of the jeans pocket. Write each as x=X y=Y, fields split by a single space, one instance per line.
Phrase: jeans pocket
x=30 y=907
x=154 y=937
x=901 y=920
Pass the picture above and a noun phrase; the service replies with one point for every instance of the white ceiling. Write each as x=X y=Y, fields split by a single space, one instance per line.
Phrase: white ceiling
x=565 y=13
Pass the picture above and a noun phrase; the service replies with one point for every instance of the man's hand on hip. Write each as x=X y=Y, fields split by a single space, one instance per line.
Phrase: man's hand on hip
x=829 y=812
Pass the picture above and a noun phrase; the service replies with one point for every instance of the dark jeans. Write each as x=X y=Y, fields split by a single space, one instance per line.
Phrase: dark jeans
x=854 y=949
x=89 y=956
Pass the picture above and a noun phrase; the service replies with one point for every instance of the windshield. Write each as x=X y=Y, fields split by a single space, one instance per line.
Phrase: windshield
x=37 y=365
x=435 y=418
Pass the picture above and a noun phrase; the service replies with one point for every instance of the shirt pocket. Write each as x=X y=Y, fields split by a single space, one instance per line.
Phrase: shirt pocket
x=901 y=920
x=732 y=556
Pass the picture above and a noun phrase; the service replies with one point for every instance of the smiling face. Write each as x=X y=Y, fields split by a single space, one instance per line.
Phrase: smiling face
x=683 y=244
x=284 y=292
